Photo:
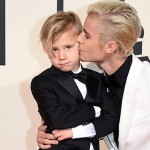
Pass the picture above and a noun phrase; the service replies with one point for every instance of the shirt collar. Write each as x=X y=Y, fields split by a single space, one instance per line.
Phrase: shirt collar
x=121 y=74
x=79 y=70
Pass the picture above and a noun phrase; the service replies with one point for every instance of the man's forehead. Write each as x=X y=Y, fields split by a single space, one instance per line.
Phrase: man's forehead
x=91 y=26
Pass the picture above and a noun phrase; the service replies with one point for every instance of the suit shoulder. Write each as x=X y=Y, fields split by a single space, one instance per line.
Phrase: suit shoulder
x=43 y=74
x=41 y=78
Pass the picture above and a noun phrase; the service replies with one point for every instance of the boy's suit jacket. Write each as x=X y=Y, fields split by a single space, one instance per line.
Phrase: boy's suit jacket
x=62 y=106
x=134 y=127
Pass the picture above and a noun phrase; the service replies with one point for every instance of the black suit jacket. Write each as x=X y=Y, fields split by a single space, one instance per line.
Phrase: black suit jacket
x=62 y=106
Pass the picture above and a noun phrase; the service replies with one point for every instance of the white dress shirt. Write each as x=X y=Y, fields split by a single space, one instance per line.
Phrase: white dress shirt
x=87 y=130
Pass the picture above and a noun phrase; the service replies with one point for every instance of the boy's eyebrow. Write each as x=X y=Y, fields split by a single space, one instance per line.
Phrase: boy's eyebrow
x=86 y=31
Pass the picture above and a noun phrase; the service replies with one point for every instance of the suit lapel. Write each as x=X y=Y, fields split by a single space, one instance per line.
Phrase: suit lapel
x=69 y=84
x=129 y=102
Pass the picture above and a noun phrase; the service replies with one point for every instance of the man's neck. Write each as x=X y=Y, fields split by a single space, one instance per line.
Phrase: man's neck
x=111 y=65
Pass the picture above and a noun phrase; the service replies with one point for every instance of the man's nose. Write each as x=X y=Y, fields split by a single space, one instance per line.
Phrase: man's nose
x=80 y=38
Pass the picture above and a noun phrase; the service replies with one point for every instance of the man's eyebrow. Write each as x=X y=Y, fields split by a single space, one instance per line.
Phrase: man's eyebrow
x=86 y=31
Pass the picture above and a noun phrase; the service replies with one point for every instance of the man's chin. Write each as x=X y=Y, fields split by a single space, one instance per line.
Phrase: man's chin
x=83 y=59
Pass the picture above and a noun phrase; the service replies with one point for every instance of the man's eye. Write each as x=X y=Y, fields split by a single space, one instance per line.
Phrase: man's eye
x=86 y=36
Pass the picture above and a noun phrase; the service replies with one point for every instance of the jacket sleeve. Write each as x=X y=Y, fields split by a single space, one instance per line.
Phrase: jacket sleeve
x=59 y=116
x=108 y=120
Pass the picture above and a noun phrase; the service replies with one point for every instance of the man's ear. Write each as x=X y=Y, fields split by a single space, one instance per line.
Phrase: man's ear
x=111 y=47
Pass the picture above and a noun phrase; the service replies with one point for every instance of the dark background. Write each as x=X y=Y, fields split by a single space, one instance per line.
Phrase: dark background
x=2 y=32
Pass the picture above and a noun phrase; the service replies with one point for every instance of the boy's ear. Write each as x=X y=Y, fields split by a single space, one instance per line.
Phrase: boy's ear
x=111 y=47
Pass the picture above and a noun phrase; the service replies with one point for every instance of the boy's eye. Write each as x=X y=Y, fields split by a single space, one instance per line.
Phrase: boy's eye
x=54 y=49
x=68 y=47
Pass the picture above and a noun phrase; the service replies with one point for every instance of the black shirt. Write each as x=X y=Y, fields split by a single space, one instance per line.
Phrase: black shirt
x=115 y=84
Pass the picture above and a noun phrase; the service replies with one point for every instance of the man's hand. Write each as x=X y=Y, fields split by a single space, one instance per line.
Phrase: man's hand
x=45 y=140
x=62 y=134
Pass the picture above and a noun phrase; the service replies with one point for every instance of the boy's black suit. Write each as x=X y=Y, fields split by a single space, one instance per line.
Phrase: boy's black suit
x=62 y=106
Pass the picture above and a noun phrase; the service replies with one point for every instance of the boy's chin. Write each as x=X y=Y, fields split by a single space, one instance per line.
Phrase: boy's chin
x=65 y=69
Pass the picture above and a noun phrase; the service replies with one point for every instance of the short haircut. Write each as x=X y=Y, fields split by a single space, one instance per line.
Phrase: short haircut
x=55 y=25
x=119 y=22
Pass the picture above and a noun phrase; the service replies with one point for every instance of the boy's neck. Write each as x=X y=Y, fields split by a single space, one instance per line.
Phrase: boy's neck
x=78 y=70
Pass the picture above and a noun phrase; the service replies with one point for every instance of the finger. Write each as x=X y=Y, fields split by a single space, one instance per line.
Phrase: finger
x=55 y=131
x=61 y=138
x=50 y=136
x=57 y=134
x=46 y=141
x=42 y=121
x=42 y=128
x=42 y=134
x=44 y=146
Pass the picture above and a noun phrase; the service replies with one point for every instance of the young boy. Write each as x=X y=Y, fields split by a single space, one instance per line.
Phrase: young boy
x=65 y=101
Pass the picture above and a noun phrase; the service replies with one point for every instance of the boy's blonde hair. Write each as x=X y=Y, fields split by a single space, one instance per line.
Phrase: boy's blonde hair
x=119 y=23
x=55 y=25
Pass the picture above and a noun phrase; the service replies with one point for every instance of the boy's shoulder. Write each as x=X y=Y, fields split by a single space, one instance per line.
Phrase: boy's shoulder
x=47 y=75
x=46 y=78
x=44 y=73
x=51 y=74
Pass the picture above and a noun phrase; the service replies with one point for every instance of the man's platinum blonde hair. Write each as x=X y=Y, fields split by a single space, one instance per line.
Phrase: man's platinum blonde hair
x=119 y=22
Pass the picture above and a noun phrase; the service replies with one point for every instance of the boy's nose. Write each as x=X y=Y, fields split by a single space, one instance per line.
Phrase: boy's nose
x=62 y=55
